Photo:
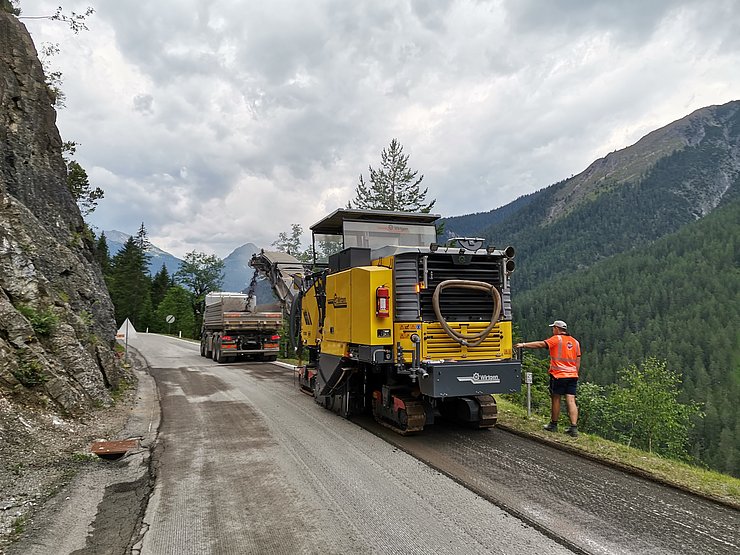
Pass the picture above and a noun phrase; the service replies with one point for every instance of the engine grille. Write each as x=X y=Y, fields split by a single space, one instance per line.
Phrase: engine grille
x=460 y=305
x=440 y=346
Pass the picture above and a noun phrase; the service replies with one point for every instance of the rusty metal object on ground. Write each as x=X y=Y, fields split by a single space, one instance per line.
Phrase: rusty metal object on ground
x=113 y=449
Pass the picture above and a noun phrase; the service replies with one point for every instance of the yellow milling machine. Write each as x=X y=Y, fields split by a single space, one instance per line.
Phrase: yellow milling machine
x=392 y=323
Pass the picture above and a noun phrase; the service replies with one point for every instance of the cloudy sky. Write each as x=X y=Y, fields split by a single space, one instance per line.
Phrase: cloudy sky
x=223 y=122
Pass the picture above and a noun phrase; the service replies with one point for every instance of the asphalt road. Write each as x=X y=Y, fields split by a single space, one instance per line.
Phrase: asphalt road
x=248 y=464
x=591 y=507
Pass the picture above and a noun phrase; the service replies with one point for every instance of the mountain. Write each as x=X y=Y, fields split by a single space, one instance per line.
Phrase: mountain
x=237 y=273
x=116 y=240
x=639 y=254
x=626 y=200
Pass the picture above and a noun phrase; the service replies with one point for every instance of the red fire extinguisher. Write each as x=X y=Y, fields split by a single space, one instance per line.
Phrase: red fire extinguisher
x=382 y=302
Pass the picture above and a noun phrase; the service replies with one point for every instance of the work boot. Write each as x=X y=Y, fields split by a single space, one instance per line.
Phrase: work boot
x=572 y=431
x=551 y=427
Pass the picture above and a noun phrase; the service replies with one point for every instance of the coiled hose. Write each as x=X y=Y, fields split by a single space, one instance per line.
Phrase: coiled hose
x=472 y=340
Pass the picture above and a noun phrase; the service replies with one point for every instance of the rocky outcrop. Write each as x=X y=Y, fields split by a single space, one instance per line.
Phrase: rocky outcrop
x=56 y=319
x=718 y=124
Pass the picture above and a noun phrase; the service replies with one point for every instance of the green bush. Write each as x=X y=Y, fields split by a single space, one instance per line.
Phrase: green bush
x=43 y=322
x=595 y=414
x=29 y=372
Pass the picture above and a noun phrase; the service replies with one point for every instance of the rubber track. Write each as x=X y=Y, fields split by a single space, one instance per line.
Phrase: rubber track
x=416 y=418
x=489 y=411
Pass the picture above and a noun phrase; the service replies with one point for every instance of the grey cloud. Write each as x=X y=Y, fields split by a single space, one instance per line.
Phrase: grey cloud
x=432 y=13
x=491 y=99
x=143 y=103
x=632 y=21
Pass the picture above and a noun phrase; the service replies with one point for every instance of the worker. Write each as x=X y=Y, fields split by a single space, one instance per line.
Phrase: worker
x=565 y=362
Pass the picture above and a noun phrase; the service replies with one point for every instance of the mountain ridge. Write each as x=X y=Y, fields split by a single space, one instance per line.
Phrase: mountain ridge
x=627 y=165
x=620 y=214
x=237 y=272
x=632 y=162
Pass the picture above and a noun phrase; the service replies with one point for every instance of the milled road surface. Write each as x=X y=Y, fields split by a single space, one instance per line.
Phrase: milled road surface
x=248 y=464
x=593 y=508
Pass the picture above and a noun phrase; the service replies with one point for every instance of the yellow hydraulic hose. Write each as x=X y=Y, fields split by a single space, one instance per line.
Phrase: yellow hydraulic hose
x=464 y=339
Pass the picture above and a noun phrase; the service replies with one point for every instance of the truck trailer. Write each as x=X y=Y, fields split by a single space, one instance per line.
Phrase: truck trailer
x=233 y=328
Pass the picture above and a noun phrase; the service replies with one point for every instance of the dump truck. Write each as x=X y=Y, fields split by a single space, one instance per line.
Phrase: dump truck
x=390 y=322
x=234 y=327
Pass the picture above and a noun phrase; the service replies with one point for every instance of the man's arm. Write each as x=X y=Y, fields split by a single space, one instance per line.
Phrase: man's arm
x=532 y=345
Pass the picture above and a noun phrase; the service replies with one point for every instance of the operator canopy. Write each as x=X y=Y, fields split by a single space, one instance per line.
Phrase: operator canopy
x=373 y=229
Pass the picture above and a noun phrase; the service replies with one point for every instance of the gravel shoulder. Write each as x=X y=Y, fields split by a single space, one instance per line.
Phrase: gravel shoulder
x=51 y=486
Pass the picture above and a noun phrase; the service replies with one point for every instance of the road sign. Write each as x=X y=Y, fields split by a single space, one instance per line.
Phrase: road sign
x=169 y=318
x=528 y=377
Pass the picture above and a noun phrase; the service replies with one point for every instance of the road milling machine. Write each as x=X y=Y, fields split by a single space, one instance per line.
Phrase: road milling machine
x=390 y=322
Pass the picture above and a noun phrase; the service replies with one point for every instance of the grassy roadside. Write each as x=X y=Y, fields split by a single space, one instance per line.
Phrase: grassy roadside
x=714 y=485
x=706 y=483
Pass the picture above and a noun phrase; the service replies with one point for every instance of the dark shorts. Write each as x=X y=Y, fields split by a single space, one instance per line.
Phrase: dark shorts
x=563 y=386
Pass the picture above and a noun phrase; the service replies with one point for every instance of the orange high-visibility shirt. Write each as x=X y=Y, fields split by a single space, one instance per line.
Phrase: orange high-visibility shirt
x=564 y=353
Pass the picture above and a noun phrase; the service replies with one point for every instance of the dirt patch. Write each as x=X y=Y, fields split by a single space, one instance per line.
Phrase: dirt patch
x=41 y=450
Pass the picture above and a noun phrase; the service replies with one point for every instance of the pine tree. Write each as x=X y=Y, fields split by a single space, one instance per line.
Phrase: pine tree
x=130 y=286
x=142 y=241
x=102 y=254
x=392 y=187
x=160 y=285
x=86 y=196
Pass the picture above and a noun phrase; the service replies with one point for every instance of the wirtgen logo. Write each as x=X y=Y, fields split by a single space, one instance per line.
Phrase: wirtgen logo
x=338 y=302
x=477 y=378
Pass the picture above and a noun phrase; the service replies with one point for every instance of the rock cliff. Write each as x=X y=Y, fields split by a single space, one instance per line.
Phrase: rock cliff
x=56 y=319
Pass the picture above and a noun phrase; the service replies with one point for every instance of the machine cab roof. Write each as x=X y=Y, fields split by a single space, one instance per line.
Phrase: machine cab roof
x=373 y=229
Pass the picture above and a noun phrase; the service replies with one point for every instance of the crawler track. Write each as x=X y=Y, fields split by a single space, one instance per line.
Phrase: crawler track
x=489 y=411
x=415 y=418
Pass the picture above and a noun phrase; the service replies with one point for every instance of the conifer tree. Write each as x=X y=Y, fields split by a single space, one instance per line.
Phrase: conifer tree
x=394 y=186
x=130 y=285
x=86 y=196
x=102 y=254
x=160 y=285
x=142 y=241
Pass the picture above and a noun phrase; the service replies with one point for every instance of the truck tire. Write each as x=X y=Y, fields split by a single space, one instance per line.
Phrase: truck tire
x=268 y=358
x=202 y=348
x=217 y=353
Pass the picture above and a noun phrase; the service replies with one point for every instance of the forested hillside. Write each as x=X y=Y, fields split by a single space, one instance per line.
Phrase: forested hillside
x=639 y=253
x=674 y=193
x=677 y=299
x=621 y=202
x=471 y=225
